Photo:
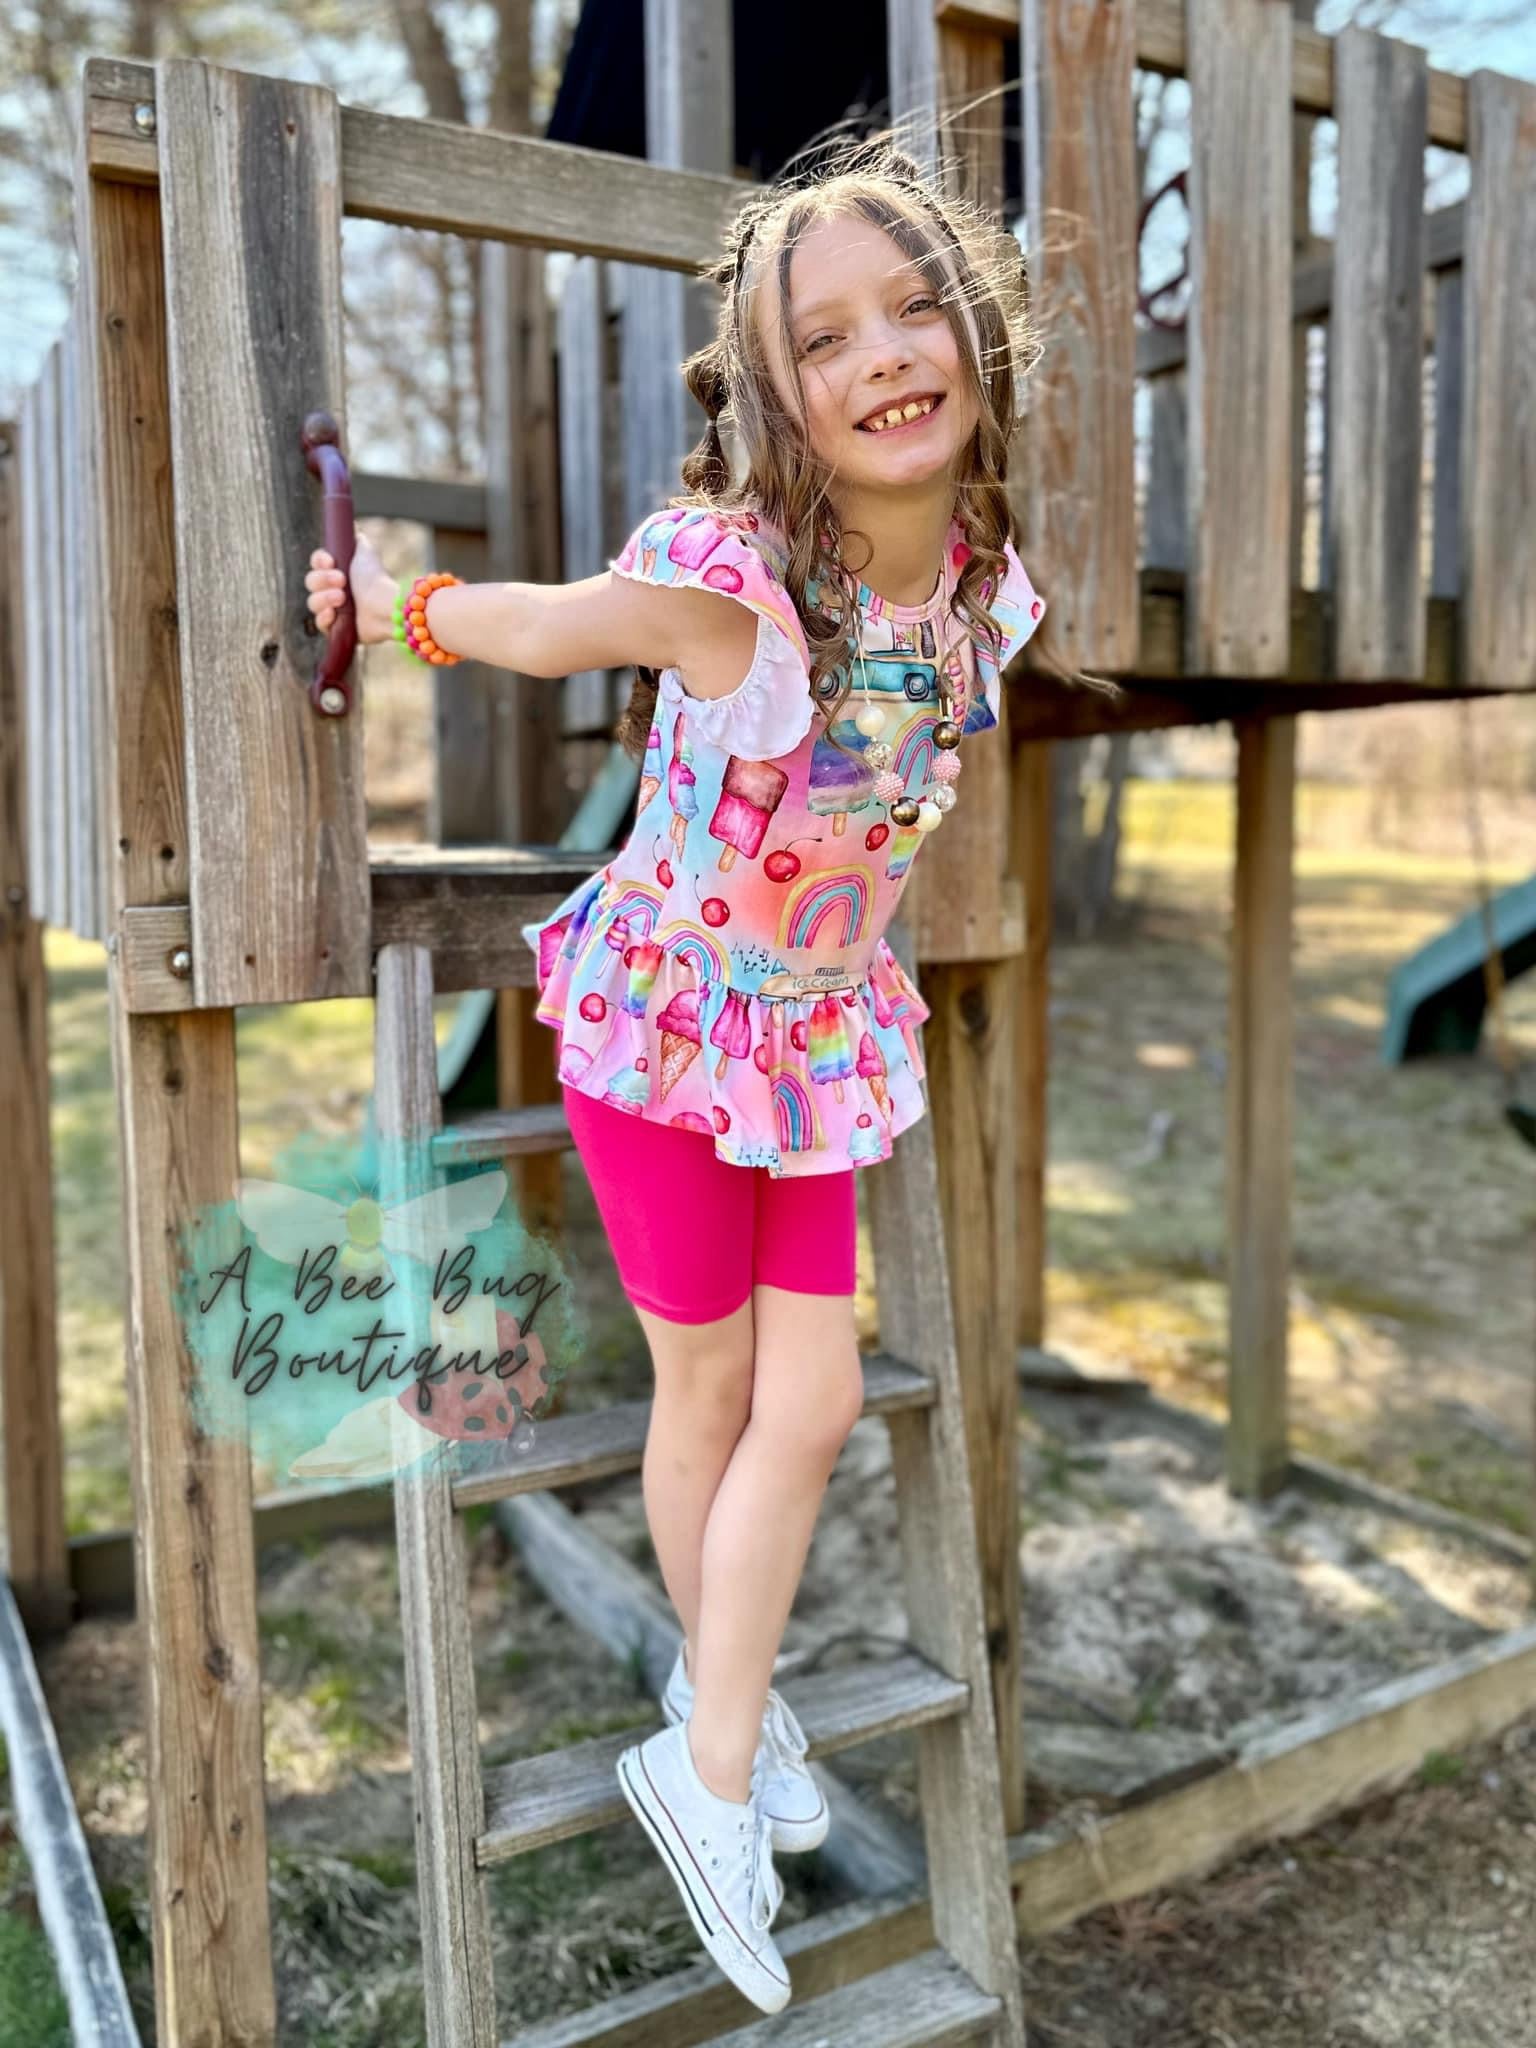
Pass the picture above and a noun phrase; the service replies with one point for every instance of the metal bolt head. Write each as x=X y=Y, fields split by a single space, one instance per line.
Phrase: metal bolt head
x=180 y=963
x=333 y=701
x=144 y=117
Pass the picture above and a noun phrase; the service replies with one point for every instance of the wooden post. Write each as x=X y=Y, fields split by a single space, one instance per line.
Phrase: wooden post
x=1072 y=482
x=250 y=184
x=31 y=1460
x=1259 y=1087
x=1498 y=448
x=178 y=1120
x=968 y=976
x=1375 y=432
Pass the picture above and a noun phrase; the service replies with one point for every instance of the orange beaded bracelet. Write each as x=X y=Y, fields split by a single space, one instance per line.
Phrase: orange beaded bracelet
x=411 y=620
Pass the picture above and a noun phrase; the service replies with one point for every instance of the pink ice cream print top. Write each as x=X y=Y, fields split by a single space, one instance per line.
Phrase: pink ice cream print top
x=728 y=971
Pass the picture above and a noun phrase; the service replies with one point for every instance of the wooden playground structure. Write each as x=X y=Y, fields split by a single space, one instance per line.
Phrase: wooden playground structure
x=169 y=788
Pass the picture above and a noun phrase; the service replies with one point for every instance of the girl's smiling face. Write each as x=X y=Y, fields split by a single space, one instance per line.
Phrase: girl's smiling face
x=869 y=336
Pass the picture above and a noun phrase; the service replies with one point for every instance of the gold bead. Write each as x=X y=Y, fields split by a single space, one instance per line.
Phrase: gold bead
x=946 y=734
x=905 y=812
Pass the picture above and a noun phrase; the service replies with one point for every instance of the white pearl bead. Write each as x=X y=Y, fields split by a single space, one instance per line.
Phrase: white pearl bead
x=870 y=720
x=928 y=815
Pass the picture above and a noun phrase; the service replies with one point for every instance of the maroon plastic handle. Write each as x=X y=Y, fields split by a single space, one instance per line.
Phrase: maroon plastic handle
x=331 y=689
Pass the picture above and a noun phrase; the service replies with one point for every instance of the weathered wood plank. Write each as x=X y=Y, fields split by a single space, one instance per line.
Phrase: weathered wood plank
x=571 y=1791
x=179 y=1143
x=33 y=656
x=31 y=1458
x=143 y=818
x=194 y=1558
x=1285 y=1778
x=434 y=501
x=1078 y=448
x=1498 y=454
x=1162 y=45
x=459 y=1979
x=1162 y=349
x=582 y=330
x=1239 y=190
x=49 y=877
x=1259 y=1105
x=250 y=180
x=574 y=1449
x=1030 y=814
x=80 y=1939
x=1376 y=353
x=952 y=1598
x=1445 y=521
x=929 y=2000
x=462 y=803
x=75 y=820
x=467 y=181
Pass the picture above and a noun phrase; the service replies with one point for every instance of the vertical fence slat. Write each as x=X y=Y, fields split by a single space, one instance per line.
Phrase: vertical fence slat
x=31 y=1461
x=34 y=628
x=195 y=1587
x=582 y=325
x=250 y=187
x=1445 y=532
x=1498 y=603
x=55 y=883
x=76 y=819
x=1237 y=607
x=1078 y=506
x=1376 y=336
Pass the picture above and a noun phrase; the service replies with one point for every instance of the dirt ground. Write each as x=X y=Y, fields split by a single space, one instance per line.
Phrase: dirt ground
x=1155 y=1604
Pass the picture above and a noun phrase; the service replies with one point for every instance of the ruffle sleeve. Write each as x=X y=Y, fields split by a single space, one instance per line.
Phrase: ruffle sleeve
x=770 y=710
x=1018 y=608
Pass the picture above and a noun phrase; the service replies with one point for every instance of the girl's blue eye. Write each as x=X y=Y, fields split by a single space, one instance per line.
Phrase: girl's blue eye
x=924 y=299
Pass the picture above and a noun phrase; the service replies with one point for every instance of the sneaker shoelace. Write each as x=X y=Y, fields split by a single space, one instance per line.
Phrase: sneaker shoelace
x=767 y=1887
x=784 y=1734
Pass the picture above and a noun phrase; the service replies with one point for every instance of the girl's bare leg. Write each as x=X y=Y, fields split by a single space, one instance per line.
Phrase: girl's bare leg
x=703 y=1395
x=807 y=1391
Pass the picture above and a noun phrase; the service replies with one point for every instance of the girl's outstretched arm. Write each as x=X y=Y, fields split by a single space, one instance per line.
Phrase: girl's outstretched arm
x=557 y=629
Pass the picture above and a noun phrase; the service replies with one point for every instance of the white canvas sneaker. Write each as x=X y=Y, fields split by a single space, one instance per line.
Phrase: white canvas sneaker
x=791 y=1797
x=720 y=1855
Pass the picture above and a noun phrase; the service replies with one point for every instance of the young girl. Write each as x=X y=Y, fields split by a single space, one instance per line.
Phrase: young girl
x=815 y=638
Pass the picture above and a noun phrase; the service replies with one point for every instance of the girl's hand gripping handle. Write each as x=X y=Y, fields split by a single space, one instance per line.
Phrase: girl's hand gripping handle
x=331 y=691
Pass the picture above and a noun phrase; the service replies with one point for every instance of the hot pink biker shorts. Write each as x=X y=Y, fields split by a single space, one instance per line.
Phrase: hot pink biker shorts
x=692 y=1234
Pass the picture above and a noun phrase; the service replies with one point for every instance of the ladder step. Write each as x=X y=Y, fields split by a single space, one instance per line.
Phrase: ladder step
x=499 y=1133
x=572 y=1448
x=926 y=2002
x=543 y=1799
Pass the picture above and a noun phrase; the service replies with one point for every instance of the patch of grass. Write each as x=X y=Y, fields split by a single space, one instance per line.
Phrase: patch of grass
x=393 y=1867
x=572 y=1728
x=1439 y=1768
x=32 y=2007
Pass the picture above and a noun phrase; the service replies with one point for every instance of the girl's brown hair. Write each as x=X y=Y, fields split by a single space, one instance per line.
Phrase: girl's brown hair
x=975 y=270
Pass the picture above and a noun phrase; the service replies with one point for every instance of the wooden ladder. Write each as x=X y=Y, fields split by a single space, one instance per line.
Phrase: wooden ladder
x=964 y=1989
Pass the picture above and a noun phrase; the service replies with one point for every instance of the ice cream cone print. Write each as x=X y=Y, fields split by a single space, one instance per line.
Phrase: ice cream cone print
x=648 y=559
x=871 y=1065
x=678 y=1023
x=750 y=793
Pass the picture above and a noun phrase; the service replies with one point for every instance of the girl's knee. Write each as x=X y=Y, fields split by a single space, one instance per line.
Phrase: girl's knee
x=814 y=1413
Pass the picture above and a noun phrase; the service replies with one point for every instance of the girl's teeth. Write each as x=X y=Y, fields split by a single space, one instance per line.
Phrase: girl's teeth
x=899 y=415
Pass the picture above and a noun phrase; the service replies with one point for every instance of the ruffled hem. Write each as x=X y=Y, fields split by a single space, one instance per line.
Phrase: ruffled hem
x=799 y=1085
